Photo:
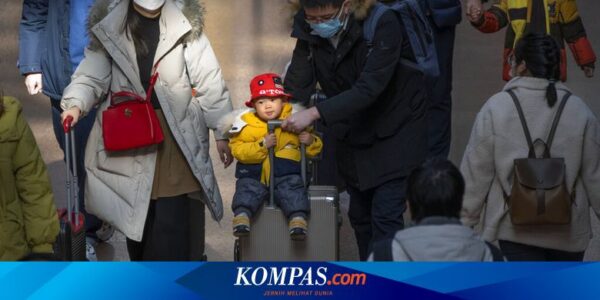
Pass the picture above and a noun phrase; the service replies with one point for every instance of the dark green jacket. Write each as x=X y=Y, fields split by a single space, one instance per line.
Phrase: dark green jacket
x=28 y=219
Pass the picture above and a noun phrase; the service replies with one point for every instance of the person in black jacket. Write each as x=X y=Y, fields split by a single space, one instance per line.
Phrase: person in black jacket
x=375 y=107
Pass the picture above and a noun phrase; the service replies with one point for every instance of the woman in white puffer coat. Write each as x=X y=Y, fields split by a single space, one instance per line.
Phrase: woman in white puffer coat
x=128 y=39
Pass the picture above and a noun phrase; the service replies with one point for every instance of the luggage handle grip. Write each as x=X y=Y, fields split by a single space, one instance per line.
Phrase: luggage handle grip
x=67 y=124
x=271 y=126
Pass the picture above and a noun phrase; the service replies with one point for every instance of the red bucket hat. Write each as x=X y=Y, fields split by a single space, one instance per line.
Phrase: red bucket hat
x=266 y=85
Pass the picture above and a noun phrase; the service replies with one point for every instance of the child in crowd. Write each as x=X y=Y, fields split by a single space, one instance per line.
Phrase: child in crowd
x=558 y=18
x=28 y=220
x=435 y=195
x=250 y=143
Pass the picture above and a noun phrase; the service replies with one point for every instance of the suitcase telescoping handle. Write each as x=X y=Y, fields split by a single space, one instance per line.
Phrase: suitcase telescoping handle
x=72 y=180
x=271 y=126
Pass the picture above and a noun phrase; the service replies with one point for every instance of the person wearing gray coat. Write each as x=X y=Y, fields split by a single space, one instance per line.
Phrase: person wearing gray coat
x=498 y=138
x=130 y=39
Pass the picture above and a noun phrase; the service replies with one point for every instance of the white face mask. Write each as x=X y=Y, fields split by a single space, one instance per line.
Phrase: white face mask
x=150 y=4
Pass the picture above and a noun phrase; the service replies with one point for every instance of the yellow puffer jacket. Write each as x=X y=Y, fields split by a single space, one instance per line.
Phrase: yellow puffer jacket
x=246 y=148
x=28 y=220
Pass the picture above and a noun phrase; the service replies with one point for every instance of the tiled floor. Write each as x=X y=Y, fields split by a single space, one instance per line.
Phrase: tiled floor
x=250 y=37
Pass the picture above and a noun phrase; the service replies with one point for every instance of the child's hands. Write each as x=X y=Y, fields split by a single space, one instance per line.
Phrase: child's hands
x=270 y=140
x=306 y=138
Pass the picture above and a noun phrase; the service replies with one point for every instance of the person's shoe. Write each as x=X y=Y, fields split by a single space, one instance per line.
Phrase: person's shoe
x=241 y=225
x=105 y=232
x=90 y=252
x=298 y=228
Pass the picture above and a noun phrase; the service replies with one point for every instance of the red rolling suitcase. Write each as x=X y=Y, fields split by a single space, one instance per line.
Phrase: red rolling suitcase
x=70 y=243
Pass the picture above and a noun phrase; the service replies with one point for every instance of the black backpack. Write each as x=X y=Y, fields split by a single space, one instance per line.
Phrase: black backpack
x=419 y=33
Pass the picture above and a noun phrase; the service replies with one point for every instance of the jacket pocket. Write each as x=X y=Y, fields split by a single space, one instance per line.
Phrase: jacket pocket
x=198 y=122
x=121 y=163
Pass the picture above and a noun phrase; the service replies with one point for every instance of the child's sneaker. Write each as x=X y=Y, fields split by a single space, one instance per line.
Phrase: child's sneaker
x=298 y=228
x=241 y=225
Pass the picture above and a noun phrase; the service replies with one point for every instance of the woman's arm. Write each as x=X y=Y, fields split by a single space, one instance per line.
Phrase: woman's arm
x=210 y=89
x=478 y=168
x=90 y=82
x=590 y=167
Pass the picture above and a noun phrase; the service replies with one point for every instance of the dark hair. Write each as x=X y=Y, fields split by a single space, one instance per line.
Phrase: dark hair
x=541 y=54
x=435 y=188
x=132 y=22
x=321 y=3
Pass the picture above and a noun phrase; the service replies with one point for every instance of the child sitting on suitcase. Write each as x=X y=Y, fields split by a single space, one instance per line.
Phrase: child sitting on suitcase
x=250 y=143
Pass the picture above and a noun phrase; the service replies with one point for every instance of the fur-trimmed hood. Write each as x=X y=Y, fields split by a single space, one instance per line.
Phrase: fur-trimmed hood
x=193 y=10
x=233 y=123
x=360 y=8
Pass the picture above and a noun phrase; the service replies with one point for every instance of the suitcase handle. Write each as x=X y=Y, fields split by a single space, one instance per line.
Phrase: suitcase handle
x=71 y=178
x=271 y=126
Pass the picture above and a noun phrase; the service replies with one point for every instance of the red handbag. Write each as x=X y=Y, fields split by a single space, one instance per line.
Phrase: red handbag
x=131 y=122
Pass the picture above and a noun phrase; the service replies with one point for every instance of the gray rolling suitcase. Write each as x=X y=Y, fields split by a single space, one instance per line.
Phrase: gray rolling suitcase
x=269 y=239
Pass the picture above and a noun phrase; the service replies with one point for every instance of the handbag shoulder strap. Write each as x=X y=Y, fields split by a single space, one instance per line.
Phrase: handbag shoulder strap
x=556 y=121
x=523 y=123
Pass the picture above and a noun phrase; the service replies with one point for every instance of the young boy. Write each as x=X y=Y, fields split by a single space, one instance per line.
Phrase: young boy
x=250 y=143
x=435 y=196
x=558 y=18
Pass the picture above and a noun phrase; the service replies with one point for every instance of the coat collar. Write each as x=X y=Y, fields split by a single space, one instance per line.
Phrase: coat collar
x=180 y=19
x=439 y=220
x=193 y=10
x=532 y=83
x=360 y=11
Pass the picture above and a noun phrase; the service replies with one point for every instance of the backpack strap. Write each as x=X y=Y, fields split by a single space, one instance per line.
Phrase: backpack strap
x=496 y=253
x=523 y=123
x=555 y=123
x=371 y=23
x=382 y=250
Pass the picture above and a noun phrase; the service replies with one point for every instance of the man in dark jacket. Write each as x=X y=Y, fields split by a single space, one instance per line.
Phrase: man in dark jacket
x=375 y=107
x=52 y=39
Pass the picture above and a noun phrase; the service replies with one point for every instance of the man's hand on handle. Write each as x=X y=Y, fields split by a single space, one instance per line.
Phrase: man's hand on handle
x=299 y=121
